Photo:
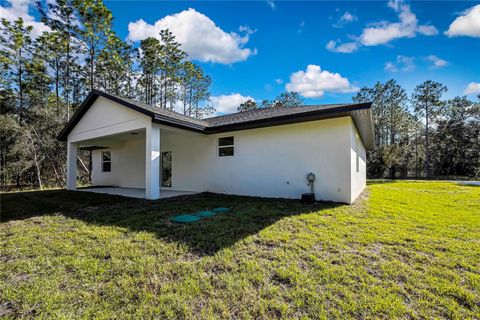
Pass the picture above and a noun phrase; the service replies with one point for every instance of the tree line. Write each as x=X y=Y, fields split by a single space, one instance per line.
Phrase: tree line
x=422 y=135
x=283 y=100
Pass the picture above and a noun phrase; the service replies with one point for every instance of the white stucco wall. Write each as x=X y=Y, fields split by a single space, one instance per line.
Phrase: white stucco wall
x=127 y=165
x=358 y=166
x=274 y=161
x=268 y=162
x=192 y=159
x=105 y=118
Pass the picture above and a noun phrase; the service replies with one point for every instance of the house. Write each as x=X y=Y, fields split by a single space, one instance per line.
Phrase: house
x=265 y=152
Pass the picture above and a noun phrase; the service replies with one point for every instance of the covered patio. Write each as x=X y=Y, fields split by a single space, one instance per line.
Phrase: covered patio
x=130 y=148
x=128 y=162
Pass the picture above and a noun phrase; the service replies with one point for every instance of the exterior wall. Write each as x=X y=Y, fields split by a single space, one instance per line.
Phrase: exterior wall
x=128 y=165
x=268 y=162
x=358 y=166
x=106 y=117
x=192 y=159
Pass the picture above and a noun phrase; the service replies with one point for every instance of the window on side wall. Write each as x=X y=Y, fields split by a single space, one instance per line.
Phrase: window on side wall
x=106 y=161
x=225 y=147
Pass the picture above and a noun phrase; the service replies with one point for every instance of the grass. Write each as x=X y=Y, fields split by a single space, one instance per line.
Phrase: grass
x=411 y=250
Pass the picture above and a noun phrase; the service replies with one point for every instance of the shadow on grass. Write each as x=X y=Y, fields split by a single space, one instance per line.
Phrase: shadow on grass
x=248 y=216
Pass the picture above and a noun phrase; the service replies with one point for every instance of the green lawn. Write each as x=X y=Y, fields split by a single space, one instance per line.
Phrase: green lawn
x=411 y=250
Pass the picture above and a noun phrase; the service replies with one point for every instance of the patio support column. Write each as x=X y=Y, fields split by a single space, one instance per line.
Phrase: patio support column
x=71 y=166
x=152 y=162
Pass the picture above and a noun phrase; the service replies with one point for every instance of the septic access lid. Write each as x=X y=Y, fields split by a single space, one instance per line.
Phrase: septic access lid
x=205 y=213
x=185 y=218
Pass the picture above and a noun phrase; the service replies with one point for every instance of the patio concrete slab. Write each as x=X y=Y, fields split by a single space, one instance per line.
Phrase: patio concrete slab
x=135 y=192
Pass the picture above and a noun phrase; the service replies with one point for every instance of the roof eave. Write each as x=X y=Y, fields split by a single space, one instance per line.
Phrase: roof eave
x=364 y=124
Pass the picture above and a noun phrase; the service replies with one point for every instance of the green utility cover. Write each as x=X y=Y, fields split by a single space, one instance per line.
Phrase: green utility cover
x=205 y=213
x=185 y=218
x=220 y=209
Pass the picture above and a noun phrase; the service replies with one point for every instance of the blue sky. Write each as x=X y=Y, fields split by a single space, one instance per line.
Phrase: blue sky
x=259 y=49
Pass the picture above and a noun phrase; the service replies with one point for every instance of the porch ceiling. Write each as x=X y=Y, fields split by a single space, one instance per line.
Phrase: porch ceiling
x=107 y=141
x=110 y=140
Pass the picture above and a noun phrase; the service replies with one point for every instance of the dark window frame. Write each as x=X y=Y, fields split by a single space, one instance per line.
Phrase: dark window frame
x=106 y=164
x=226 y=146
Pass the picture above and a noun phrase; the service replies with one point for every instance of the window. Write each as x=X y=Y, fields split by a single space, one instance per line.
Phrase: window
x=106 y=161
x=225 y=146
x=167 y=169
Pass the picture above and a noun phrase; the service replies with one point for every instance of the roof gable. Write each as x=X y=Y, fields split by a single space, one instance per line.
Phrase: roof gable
x=106 y=113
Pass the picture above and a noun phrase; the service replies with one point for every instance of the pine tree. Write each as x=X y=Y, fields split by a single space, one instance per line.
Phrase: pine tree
x=247 y=106
x=15 y=47
x=194 y=88
x=149 y=56
x=61 y=17
x=427 y=103
x=171 y=58
x=95 y=22
x=288 y=100
x=52 y=49
x=114 y=66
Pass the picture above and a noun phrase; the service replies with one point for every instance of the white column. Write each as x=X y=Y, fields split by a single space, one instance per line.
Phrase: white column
x=152 y=162
x=71 y=166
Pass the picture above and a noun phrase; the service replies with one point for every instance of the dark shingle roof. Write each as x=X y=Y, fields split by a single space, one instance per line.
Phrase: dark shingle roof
x=238 y=121
x=265 y=113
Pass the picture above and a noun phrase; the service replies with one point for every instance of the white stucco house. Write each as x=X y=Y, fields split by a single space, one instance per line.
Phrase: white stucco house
x=152 y=152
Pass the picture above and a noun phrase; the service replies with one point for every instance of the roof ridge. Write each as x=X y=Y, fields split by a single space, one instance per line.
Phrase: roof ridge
x=276 y=108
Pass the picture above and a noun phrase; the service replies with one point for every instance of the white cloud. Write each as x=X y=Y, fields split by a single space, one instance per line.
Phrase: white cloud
x=271 y=4
x=278 y=81
x=313 y=83
x=427 y=30
x=228 y=103
x=347 y=47
x=436 y=61
x=19 y=9
x=347 y=17
x=467 y=24
x=199 y=36
x=300 y=26
x=403 y=63
x=390 y=67
x=383 y=32
x=472 y=88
